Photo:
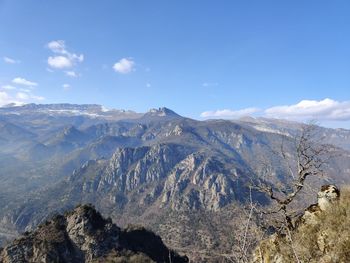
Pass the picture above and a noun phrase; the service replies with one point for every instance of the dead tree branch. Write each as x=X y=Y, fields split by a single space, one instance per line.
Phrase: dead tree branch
x=310 y=159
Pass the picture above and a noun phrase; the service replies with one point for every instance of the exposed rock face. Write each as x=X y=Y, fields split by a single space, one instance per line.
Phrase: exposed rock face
x=129 y=168
x=328 y=195
x=83 y=235
x=325 y=198
x=166 y=175
x=198 y=182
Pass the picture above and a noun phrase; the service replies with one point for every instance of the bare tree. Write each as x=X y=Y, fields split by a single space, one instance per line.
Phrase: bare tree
x=247 y=234
x=310 y=159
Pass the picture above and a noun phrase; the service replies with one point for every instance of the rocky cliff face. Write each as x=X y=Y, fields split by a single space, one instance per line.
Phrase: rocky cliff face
x=164 y=175
x=197 y=182
x=83 y=235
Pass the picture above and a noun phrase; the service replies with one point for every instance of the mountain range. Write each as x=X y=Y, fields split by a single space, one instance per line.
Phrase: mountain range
x=185 y=179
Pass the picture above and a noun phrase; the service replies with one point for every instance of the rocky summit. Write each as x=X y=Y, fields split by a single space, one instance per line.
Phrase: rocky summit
x=83 y=235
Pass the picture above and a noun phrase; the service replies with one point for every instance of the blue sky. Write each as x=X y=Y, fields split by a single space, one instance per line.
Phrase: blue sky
x=203 y=59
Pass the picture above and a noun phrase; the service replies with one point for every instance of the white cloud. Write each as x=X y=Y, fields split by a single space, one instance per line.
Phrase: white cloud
x=64 y=58
x=124 y=66
x=66 y=86
x=57 y=46
x=210 y=84
x=25 y=90
x=35 y=97
x=59 y=62
x=305 y=110
x=148 y=85
x=228 y=114
x=22 y=96
x=8 y=87
x=23 y=81
x=4 y=98
x=18 y=98
x=72 y=74
x=326 y=109
x=28 y=96
x=11 y=60
x=79 y=58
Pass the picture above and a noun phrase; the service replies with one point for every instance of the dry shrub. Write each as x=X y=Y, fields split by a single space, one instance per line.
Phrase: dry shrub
x=328 y=240
x=125 y=257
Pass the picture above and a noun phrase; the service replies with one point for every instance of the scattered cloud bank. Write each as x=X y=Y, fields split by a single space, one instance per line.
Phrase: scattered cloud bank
x=11 y=60
x=326 y=109
x=24 y=96
x=8 y=87
x=124 y=66
x=18 y=98
x=11 y=94
x=322 y=110
x=25 y=90
x=23 y=81
x=62 y=58
x=4 y=98
x=229 y=113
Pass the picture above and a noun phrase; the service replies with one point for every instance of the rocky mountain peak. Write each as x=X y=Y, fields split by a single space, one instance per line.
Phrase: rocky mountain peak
x=83 y=235
x=70 y=130
x=162 y=112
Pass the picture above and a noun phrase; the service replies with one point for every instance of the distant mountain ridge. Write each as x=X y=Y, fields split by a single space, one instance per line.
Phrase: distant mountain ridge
x=185 y=179
x=92 y=110
x=66 y=109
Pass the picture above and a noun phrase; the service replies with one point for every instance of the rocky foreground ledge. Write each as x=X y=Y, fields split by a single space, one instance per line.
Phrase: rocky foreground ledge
x=83 y=235
x=322 y=234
